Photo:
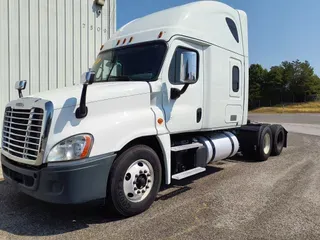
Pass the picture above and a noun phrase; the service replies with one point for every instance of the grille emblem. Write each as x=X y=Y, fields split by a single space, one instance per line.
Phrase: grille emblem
x=19 y=105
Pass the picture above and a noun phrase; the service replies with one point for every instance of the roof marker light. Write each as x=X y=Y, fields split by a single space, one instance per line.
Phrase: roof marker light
x=118 y=42
x=124 y=41
x=101 y=47
x=160 y=35
x=130 y=39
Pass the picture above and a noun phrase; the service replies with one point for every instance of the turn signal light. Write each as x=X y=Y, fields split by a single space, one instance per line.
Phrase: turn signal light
x=87 y=146
x=160 y=121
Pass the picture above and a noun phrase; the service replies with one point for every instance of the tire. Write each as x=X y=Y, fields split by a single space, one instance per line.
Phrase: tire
x=278 y=136
x=265 y=144
x=134 y=180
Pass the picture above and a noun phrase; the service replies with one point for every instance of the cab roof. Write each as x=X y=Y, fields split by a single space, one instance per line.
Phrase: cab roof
x=202 y=20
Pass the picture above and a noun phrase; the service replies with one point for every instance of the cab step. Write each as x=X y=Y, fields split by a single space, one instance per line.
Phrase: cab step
x=188 y=173
x=186 y=147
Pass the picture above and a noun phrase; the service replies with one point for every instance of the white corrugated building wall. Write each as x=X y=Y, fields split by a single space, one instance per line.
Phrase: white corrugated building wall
x=49 y=43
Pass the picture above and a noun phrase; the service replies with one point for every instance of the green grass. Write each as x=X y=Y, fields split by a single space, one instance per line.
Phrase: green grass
x=309 y=107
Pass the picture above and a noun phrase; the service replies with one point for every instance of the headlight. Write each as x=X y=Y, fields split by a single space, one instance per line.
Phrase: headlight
x=72 y=148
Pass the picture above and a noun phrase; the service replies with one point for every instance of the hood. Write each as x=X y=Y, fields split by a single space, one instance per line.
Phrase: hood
x=70 y=96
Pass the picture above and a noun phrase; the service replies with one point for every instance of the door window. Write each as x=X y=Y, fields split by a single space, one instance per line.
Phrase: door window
x=235 y=78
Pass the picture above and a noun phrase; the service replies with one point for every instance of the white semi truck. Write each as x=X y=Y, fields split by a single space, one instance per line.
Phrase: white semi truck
x=167 y=95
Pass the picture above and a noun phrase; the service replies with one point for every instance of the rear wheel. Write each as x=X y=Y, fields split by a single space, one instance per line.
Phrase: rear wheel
x=278 y=139
x=134 y=180
x=265 y=146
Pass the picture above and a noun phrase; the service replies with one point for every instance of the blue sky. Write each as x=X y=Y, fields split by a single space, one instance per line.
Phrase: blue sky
x=278 y=29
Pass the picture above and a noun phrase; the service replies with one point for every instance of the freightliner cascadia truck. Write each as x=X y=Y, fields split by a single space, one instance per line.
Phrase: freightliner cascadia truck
x=166 y=96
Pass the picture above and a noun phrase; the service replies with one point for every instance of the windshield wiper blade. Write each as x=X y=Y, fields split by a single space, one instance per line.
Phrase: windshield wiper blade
x=113 y=64
x=121 y=78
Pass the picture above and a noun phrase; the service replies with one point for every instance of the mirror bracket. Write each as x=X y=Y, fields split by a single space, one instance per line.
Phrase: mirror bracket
x=176 y=93
x=20 y=85
x=82 y=110
x=87 y=79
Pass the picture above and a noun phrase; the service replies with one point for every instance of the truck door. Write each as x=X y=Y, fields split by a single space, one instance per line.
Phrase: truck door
x=186 y=112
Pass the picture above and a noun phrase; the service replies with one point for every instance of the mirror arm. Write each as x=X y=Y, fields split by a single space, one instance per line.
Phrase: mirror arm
x=21 y=85
x=87 y=79
x=184 y=89
x=176 y=93
x=82 y=110
x=20 y=93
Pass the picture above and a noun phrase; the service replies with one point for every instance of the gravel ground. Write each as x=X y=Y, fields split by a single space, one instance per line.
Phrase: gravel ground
x=1 y=177
x=234 y=199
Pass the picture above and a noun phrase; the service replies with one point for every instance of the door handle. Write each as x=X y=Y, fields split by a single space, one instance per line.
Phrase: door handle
x=199 y=114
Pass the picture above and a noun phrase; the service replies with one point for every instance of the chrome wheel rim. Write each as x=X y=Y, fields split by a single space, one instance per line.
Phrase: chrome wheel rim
x=267 y=143
x=138 y=180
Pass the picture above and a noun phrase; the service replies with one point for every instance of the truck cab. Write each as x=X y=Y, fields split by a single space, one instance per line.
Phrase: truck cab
x=166 y=95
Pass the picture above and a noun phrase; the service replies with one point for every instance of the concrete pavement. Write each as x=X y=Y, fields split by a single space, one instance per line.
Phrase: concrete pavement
x=299 y=118
x=295 y=123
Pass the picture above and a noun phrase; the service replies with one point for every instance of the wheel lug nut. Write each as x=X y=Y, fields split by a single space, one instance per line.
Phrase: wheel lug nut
x=134 y=182
x=138 y=192
x=149 y=180
x=148 y=175
x=140 y=172
x=147 y=187
x=135 y=189
x=143 y=191
x=145 y=171
x=137 y=175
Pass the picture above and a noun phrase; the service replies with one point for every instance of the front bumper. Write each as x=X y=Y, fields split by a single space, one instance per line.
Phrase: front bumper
x=63 y=183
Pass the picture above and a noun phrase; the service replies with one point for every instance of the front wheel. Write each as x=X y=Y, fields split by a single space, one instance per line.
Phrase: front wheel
x=134 y=181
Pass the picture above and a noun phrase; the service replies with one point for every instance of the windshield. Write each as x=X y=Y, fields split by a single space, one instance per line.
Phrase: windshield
x=134 y=63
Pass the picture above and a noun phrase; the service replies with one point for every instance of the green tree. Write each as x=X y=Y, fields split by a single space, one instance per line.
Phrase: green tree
x=275 y=85
x=301 y=82
x=293 y=81
x=257 y=79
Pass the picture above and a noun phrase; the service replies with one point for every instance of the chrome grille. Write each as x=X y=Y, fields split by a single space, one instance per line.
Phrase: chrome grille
x=21 y=136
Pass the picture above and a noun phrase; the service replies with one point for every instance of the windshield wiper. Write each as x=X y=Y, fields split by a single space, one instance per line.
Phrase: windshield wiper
x=121 y=78
x=113 y=64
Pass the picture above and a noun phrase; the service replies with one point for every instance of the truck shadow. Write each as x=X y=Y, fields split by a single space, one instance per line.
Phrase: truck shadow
x=68 y=109
x=25 y=216
x=181 y=186
x=240 y=158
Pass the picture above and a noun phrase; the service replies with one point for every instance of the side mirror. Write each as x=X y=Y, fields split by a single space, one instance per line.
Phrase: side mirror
x=99 y=2
x=21 y=85
x=87 y=78
x=188 y=67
